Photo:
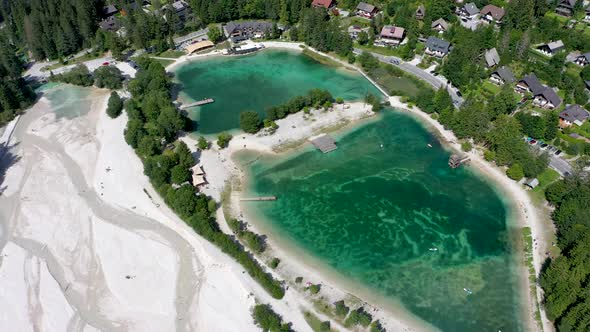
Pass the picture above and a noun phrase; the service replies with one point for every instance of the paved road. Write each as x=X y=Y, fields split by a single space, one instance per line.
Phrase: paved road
x=420 y=73
x=560 y=165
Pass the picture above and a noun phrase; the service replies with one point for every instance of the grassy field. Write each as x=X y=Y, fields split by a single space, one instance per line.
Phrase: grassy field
x=379 y=50
x=393 y=82
x=171 y=54
x=321 y=59
x=164 y=62
x=84 y=58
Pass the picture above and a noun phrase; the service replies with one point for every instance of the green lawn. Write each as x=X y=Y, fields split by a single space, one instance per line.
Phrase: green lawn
x=545 y=179
x=164 y=62
x=491 y=87
x=379 y=50
x=314 y=322
x=171 y=54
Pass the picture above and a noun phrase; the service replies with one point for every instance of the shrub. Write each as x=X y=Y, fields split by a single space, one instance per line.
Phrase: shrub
x=466 y=146
x=253 y=241
x=489 y=155
x=269 y=320
x=109 y=77
x=376 y=327
x=223 y=139
x=515 y=172
x=115 y=105
x=80 y=75
x=179 y=174
x=358 y=317
x=274 y=263
x=341 y=309
x=314 y=288
x=339 y=100
x=235 y=225
x=325 y=326
x=202 y=143
x=250 y=122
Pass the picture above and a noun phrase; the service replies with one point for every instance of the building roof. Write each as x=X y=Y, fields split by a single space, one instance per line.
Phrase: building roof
x=109 y=10
x=492 y=57
x=421 y=10
x=322 y=3
x=390 y=31
x=179 y=5
x=247 y=27
x=532 y=183
x=471 y=9
x=587 y=56
x=365 y=7
x=324 y=143
x=110 y=24
x=192 y=48
x=505 y=74
x=533 y=83
x=555 y=45
x=570 y=3
x=574 y=113
x=438 y=45
x=440 y=22
x=551 y=96
x=496 y=12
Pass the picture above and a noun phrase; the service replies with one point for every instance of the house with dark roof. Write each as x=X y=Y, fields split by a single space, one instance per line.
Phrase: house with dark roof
x=502 y=76
x=552 y=48
x=420 y=12
x=583 y=60
x=242 y=30
x=468 y=11
x=109 y=10
x=573 y=114
x=565 y=7
x=437 y=47
x=440 y=25
x=492 y=57
x=492 y=14
x=110 y=23
x=391 y=35
x=547 y=98
x=587 y=17
x=323 y=4
x=366 y=10
x=529 y=84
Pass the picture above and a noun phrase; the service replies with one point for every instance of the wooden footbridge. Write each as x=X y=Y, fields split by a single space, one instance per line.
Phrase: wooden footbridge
x=457 y=160
x=198 y=103
x=258 y=199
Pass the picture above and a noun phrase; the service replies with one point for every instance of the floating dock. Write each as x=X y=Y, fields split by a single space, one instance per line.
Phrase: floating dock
x=198 y=103
x=258 y=199
x=324 y=143
x=456 y=160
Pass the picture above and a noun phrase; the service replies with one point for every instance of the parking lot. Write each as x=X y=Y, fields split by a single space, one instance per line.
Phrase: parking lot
x=556 y=162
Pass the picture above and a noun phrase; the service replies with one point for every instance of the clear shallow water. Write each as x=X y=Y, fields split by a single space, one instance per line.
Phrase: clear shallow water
x=256 y=82
x=372 y=213
x=68 y=101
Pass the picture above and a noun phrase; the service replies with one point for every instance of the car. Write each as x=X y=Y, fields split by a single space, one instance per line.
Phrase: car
x=459 y=93
x=394 y=61
x=105 y=63
x=558 y=152
x=532 y=142
x=544 y=145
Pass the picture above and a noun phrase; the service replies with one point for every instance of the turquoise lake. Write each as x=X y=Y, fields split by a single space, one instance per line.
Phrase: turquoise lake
x=258 y=81
x=374 y=211
x=384 y=211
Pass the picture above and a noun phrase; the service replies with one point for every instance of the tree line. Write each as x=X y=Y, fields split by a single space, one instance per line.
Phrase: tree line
x=152 y=127
x=566 y=278
x=15 y=93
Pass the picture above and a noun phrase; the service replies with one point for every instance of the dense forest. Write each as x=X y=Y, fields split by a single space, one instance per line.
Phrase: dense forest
x=566 y=279
x=15 y=94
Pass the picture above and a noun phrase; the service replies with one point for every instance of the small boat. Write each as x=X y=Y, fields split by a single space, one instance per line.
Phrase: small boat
x=382 y=146
x=468 y=291
x=429 y=145
x=433 y=249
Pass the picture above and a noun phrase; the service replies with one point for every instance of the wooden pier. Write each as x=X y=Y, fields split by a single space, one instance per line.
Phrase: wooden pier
x=198 y=103
x=324 y=143
x=456 y=160
x=258 y=199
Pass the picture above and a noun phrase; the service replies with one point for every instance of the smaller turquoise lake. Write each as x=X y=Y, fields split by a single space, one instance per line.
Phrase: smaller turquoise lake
x=258 y=81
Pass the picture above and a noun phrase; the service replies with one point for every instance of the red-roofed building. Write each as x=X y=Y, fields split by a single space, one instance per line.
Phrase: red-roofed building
x=323 y=3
